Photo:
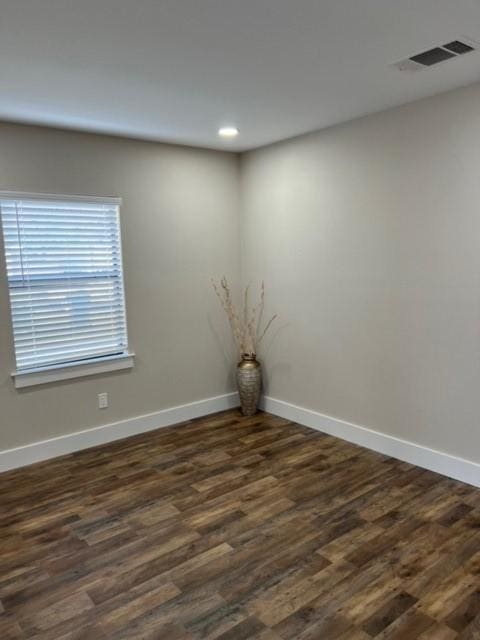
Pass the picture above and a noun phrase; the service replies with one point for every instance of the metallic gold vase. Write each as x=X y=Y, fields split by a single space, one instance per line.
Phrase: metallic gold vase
x=249 y=382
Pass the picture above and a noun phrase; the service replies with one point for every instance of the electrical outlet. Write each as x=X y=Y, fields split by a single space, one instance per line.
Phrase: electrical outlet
x=103 y=400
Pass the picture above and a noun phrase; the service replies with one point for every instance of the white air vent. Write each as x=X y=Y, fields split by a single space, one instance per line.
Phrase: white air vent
x=437 y=55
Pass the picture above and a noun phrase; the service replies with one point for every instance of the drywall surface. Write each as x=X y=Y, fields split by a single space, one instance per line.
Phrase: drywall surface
x=368 y=237
x=179 y=228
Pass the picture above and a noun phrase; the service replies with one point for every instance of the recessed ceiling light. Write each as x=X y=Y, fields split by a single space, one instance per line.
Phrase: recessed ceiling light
x=228 y=132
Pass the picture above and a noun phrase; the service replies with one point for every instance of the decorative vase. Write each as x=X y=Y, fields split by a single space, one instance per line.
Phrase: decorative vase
x=249 y=382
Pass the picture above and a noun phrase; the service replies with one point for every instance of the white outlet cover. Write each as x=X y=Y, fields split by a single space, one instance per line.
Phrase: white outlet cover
x=102 y=400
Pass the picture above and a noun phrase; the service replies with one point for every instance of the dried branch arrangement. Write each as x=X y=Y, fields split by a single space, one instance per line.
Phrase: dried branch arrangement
x=246 y=324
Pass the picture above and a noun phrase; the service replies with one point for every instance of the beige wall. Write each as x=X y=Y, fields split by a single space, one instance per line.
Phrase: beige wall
x=368 y=237
x=179 y=227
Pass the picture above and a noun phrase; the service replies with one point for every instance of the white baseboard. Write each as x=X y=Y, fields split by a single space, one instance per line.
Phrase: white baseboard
x=416 y=454
x=438 y=461
x=46 y=449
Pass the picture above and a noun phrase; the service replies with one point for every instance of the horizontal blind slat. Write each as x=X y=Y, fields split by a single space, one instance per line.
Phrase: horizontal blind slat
x=69 y=358
x=77 y=335
x=46 y=314
x=70 y=347
x=24 y=333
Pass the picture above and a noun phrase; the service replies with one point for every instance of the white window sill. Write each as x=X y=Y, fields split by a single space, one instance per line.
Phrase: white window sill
x=44 y=375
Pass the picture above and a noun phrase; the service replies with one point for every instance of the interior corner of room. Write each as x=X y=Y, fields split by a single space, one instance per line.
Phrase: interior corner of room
x=290 y=453
x=365 y=235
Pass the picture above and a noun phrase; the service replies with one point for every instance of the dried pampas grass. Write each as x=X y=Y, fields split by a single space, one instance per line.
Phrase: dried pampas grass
x=246 y=325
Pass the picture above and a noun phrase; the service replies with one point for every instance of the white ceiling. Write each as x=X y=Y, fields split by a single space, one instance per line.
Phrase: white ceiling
x=176 y=70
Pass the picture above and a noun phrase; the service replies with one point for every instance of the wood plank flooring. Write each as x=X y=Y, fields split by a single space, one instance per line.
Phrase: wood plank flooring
x=234 y=528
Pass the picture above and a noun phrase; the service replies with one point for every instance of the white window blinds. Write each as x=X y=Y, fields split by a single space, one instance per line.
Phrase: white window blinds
x=64 y=270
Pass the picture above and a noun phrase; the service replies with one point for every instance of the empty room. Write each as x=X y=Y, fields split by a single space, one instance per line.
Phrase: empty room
x=239 y=320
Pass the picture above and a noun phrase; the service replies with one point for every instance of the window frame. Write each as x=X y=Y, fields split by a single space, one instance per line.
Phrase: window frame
x=79 y=368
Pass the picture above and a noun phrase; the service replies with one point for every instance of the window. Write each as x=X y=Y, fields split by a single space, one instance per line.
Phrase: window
x=64 y=270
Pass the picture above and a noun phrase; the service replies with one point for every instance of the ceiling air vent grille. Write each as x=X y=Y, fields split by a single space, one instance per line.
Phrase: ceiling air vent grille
x=459 y=47
x=437 y=55
x=432 y=56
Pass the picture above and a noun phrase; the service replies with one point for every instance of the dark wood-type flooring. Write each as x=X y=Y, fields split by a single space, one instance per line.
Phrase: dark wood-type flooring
x=235 y=528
